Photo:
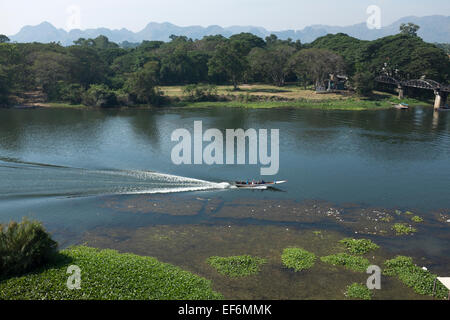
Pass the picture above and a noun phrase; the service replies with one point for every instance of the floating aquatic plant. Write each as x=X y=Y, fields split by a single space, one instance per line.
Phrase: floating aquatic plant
x=358 y=291
x=403 y=228
x=359 y=246
x=236 y=266
x=421 y=280
x=355 y=263
x=298 y=258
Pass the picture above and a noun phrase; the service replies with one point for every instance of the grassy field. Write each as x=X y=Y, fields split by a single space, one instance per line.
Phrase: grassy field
x=266 y=96
x=108 y=275
x=288 y=92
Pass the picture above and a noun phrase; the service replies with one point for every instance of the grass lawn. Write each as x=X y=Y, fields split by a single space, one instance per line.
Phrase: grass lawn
x=294 y=96
x=267 y=96
x=108 y=275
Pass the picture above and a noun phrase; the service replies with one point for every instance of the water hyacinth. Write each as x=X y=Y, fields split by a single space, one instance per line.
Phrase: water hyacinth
x=236 y=266
x=298 y=259
x=109 y=275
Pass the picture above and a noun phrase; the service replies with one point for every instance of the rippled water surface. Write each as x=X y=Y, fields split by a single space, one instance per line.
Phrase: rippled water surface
x=80 y=171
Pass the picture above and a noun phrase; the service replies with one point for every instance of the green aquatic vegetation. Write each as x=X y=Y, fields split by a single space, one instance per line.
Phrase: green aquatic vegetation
x=409 y=213
x=359 y=246
x=355 y=263
x=108 y=275
x=387 y=218
x=298 y=259
x=398 y=212
x=416 y=219
x=236 y=266
x=317 y=233
x=358 y=291
x=422 y=281
x=403 y=228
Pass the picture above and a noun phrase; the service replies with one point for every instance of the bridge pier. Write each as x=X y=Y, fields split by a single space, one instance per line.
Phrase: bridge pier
x=401 y=91
x=441 y=99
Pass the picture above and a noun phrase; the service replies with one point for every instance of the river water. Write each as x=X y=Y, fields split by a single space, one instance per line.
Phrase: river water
x=77 y=170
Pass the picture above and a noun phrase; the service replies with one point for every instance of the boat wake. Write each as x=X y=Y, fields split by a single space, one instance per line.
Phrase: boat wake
x=27 y=179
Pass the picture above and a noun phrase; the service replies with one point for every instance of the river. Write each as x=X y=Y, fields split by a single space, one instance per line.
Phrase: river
x=80 y=170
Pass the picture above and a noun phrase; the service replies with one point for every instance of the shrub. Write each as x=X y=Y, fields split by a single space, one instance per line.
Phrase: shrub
x=236 y=266
x=72 y=93
x=358 y=291
x=123 y=98
x=23 y=247
x=195 y=92
x=422 y=281
x=142 y=88
x=355 y=263
x=99 y=95
x=359 y=246
x=298 y=259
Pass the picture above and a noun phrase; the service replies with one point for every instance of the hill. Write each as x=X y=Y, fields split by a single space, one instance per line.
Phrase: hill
x=433 y=29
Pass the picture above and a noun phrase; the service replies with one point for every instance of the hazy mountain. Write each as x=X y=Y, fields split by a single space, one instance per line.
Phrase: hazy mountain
x=433 y=29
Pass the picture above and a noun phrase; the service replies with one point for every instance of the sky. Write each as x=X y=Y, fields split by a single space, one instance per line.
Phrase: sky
x=273 y=15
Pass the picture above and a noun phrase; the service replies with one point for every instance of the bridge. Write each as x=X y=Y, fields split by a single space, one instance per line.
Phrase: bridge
x=440 y=91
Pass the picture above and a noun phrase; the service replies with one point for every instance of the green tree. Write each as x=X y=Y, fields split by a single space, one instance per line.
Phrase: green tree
x=363 y=82
x=409 y=57
x=409 y=29
x=209 y=43
x=348 y=47
x=88 y=67
x=48 y=69
x=11 y=67
x=70 y=92
x=272 y=62
x=99 y=95
x=244 y=42
x=229 y=61
x=183 y=66
x=141 y=85
x=3 y=38
x=318 y=64
x=101 y=42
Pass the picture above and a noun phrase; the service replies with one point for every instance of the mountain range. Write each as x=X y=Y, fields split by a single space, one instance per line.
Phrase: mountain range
x=434 y=28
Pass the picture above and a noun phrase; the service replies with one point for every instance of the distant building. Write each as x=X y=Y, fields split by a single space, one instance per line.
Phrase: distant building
x=334 y=83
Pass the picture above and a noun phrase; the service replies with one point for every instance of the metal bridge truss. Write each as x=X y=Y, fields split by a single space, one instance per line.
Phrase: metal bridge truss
x=416 y=83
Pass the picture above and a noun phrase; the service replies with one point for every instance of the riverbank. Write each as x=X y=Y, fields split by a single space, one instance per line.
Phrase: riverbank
x=263 y=97
x=290 y=96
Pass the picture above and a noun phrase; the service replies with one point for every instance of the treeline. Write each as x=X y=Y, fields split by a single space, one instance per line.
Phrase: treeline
x=100 y=73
